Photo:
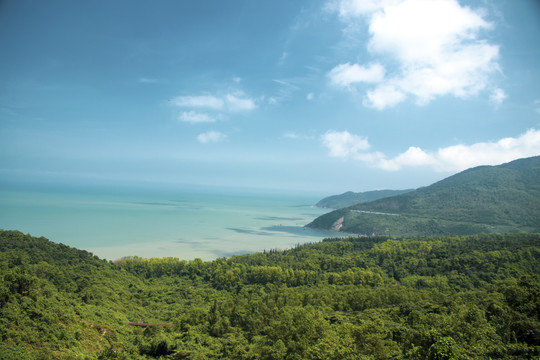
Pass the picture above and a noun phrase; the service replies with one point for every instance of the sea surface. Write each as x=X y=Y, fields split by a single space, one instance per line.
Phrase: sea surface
x=187 y=224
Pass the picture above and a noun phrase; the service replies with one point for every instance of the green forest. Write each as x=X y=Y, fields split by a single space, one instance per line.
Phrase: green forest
x=458 y=297
x=484 y=199
x=352 y=198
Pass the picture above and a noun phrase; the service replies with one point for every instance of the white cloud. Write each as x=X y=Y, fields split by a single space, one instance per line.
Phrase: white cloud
x=460 y=157
x=291 y=135
x=344 y=144
x=196 y=117
x=383 y=96
x=235 y=103
x=414 y=156
x=355 y=8
x=297 y=136
x=310 y=96
x=498 y=96
x=286 y=83
x=211 y=137
x=424 y=32
x=272 y=100
x=347 y=74
x=229 y=102
x=448 y=159
x=201 y=101
x=436 y=45
x=286 y=88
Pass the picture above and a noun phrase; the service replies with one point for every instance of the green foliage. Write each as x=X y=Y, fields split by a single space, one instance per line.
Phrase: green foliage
x=351 y=198
x=485 y=199
x=459 y=297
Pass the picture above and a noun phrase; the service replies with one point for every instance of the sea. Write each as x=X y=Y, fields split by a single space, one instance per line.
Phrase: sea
x=186 y=223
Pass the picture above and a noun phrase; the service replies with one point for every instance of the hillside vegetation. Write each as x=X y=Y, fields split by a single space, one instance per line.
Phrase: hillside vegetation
x=504 y=198
x=475 y=297
x=351 y=198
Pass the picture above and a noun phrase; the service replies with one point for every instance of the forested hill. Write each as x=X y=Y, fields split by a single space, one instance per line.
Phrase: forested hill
x=358 y=298
x=482 y=199
x=352 y=198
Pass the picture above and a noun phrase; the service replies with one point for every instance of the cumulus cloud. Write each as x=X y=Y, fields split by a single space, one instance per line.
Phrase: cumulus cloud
x=414 y=156
x=384 y=95
x=347 y=74
x=235 y=103
x=344 y=144
x=460 y=157
x=211 y=137
x=232 y=102
x=498 y=96
x=200 y=101
x=196 y=117
x=209 y=108
x=436 y=45
x=448 y=159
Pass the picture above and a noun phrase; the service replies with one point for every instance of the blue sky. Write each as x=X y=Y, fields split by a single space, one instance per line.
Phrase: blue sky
x=320 y=96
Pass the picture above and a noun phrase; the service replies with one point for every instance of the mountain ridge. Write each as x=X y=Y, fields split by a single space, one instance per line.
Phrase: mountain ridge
x=498 y=198
x=350 y=198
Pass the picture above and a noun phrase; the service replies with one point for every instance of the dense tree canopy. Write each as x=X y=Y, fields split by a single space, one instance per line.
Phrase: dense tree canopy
x=351 y=198
x=475 y=297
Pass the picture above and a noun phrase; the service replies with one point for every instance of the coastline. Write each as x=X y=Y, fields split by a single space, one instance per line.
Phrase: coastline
x=160 y=224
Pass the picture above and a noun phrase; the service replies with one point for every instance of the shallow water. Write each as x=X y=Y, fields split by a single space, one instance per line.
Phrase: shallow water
x=181 y=223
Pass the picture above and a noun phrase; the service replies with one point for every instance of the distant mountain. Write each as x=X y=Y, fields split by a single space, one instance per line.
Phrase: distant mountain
x=351 y=198
x=504 y=198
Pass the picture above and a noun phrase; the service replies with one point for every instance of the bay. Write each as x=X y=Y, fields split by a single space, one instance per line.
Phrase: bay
x=185 y=223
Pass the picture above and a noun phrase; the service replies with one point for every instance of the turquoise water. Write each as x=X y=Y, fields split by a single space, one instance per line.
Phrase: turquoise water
x=183 y=224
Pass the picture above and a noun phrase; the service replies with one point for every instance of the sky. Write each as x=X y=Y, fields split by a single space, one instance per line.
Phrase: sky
x=322 y=96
